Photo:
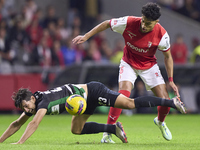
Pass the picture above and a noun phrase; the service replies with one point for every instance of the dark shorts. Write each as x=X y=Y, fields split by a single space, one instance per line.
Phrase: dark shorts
x=99 y=95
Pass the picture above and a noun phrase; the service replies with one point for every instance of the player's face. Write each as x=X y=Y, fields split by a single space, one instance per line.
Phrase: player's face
x=29 y=106
x=147 y=25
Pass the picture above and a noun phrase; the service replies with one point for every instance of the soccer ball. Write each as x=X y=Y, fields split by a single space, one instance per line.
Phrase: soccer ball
x=75 y=105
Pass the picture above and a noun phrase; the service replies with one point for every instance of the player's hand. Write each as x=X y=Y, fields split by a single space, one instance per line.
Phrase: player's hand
x=79 y=39
x=175 y=88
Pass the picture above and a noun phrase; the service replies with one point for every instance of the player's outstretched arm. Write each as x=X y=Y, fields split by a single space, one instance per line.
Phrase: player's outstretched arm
x=32 y=126
x=14 y=127
x=101 y=27
x=169 y=68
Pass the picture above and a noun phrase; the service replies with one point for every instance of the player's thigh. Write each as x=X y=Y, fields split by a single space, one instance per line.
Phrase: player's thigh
x=151 y=77
x=78 y=123
x=124 y=102
x=160 y=91
x=127 y=76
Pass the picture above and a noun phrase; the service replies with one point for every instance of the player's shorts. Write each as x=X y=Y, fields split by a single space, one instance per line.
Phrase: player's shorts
x=151 y=77
x=99 y=95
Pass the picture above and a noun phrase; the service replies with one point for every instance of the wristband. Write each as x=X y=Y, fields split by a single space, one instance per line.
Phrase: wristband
x=170 y=79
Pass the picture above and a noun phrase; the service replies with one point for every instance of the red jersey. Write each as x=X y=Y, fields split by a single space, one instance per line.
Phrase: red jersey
x=140 y=48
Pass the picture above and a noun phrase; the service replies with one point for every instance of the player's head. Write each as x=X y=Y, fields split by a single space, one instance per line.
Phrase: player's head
x=25 y=100
x=150 y=15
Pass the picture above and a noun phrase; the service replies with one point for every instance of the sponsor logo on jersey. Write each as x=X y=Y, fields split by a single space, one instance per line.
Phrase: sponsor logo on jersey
x=55 y=110
x=136 y=48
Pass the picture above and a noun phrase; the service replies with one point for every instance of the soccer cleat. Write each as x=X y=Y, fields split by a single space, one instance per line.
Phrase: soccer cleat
x=164 y=129
x=179 y=105
x=107 y=138
x=120 y=132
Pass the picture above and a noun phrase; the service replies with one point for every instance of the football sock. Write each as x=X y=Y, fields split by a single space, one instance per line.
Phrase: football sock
x=93 y=127
x=162 y=112
x=114 y=113
x=152 y=101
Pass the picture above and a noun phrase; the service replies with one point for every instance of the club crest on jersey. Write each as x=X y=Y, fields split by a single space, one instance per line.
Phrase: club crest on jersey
x=149 y=44
x=115 y=22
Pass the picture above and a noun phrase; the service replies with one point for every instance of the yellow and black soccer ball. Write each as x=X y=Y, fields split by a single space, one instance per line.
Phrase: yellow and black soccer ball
x=75 y=105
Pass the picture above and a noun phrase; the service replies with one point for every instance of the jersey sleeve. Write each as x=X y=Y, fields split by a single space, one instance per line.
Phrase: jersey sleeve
x=119 y=24
x=164 y=44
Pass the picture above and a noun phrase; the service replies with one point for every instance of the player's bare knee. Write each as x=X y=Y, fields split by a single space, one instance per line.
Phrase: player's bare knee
x=76 y=131
x=129 y=105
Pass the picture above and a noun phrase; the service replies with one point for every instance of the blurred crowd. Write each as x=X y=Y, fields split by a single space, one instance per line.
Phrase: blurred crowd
x=188 y=8
x=33 y=36
x=38 y=37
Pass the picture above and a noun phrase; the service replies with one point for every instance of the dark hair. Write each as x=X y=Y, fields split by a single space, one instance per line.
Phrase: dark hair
x=151 y=11
x=21 y=94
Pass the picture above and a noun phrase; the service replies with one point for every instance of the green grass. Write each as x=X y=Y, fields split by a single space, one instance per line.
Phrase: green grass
x=54 y=133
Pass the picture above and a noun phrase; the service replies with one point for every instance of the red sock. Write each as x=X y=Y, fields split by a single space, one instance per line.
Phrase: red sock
x=162 y=112
x=114 y=113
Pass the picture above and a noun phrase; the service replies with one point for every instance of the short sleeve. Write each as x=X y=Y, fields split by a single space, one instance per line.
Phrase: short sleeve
x=118 y=24
x=164 y=44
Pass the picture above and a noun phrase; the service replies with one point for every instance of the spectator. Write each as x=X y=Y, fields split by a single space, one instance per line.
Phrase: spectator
x=18 y=34
x=93 y=52
x=31 y=7
x=50 y=16
x=75 y=9
x=117 y=52
x=5 y=52
x=189 y=10
x=58 y=52
x=61 y=28
x=179 y=50
x=48 y=37
x=105 y=50
x=35 y=31
x=93 y=10
x=69 y=53
x=51 y=27
x=195 y=57
x=43 y=56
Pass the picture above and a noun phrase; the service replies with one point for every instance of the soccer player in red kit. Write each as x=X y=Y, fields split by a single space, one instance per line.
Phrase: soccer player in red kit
x=143 y=36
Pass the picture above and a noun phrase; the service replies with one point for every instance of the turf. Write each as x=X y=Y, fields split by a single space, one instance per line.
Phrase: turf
x=54 y=133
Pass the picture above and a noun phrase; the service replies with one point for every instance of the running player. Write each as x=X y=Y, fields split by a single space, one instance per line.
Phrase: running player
x=96 y=94
x=142 y=36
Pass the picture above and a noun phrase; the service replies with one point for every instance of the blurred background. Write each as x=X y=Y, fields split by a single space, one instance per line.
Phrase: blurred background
x=36 y=51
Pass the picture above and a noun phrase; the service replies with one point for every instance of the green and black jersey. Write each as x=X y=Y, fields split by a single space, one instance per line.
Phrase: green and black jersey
x=54 y=100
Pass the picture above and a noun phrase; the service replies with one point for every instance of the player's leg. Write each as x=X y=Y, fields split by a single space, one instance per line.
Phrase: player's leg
x=127 y=77
x=148 y=101
x=78 y=123
x=125 y=88
x=80 y=126
x=160 y=91
x=154 y=81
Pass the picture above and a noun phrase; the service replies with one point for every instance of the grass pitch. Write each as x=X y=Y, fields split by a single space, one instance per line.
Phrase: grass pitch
x=54 y=133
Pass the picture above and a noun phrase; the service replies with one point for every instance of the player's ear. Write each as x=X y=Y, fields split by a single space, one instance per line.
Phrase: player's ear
x=33 y=98
x=157 y=20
